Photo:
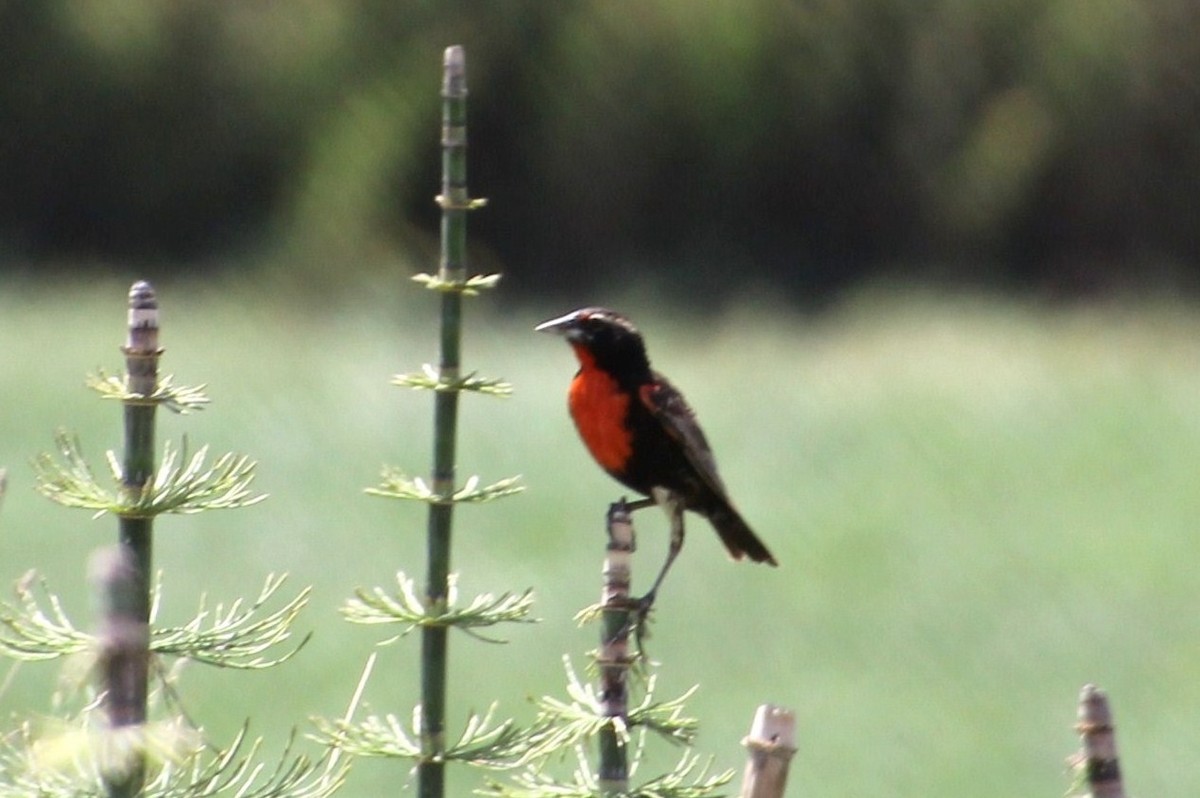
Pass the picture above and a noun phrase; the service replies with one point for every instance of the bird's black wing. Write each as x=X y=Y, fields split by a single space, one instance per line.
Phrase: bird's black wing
x=678 y=420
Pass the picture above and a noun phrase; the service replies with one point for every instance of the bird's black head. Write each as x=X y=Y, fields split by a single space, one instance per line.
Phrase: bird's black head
x=608 y=337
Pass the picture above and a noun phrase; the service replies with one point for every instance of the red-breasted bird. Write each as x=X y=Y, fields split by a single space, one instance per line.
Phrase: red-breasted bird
x=641 y=431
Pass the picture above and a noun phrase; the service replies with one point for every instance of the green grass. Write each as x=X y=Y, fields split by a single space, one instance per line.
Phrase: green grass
x=979 y=505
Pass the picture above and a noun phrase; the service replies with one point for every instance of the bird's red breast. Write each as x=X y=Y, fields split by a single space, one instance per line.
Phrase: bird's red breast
x=599 y=408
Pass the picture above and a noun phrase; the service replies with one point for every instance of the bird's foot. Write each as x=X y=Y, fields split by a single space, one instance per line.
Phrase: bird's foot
x=637 y=621
x=640 y=619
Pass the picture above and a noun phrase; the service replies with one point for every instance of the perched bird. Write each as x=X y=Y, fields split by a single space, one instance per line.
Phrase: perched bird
x=641 y=431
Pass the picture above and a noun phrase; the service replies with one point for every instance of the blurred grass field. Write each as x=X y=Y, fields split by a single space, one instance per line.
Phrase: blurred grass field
x=978 y=506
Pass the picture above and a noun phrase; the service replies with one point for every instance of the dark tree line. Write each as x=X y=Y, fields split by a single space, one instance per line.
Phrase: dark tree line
x=1046 y=143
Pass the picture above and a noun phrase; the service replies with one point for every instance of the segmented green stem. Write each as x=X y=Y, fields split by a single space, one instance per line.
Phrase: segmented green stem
x=125 y=701
x=455 y=203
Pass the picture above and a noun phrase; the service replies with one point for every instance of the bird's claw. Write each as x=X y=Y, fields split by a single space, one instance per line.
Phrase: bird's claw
x=644 y=604
x=638 y=620
x=641 y=619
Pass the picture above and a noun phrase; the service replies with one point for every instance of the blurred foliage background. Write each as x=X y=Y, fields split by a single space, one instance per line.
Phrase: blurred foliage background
x=982 y=503
x=814 y=144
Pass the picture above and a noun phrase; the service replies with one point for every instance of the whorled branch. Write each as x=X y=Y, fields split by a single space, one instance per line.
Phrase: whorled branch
x=570 y=723
x=397 y=485
x=468 y=287
x=68 y=764
x=39 y=629
x=237 y=636
x=406 y=607
x=180 y=399
x=482 y=743
x=181 y=484
x=431 y=379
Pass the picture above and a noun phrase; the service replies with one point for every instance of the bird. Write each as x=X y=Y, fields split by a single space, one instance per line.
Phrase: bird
x=640 y=429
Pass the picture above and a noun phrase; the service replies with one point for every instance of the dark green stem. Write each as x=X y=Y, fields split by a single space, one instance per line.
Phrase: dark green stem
x=455 y=203
x=126 y=694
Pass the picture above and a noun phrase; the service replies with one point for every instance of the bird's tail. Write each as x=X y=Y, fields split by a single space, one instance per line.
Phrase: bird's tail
x=737 y=535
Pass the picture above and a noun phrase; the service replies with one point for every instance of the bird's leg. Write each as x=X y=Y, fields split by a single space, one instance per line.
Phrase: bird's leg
x=674 y=508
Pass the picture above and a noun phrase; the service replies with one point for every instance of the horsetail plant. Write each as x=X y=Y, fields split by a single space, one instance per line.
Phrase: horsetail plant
x=605 y=713
x=436 y=610
x=116 y=749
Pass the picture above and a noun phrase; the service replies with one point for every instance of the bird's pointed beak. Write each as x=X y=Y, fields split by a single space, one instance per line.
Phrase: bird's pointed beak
x=560 y=326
